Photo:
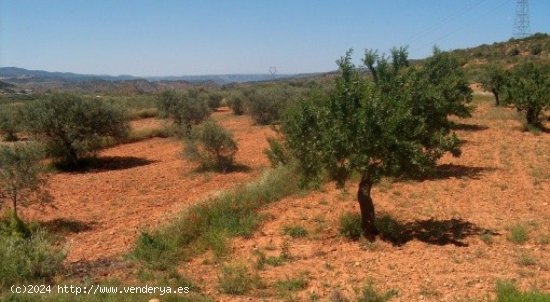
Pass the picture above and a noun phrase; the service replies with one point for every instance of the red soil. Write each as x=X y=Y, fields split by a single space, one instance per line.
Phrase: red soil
x=142 y=184
x=501 y=179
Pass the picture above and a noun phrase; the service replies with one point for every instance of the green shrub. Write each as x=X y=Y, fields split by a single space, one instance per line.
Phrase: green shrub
x=143 y=113
x=295 y=231
x=350 y=226
x=277 y=153
x=370 y=294
x=518 y=234
x=32 y=259
x=288 y=285
x=186 y=109
x=214 y=100
x=237 y=103
x=212 y=145
x=73 y=126
x=507 y=292
x=528 y=89
x=514 y=52
x=20 y=177
x=10 y=122
x=237 y=280
x=536 y=49
x=266 y=105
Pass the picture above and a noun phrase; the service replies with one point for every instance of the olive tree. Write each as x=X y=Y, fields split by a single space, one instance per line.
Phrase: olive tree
x=214 y=100
x=396 y=124
x=10 y=117
x=72 y=126
x=236 y=102
x=528 y=90
x=212 y=145
x=20 y=174
x=185 y=109
x=495 y=81
x=267 y=103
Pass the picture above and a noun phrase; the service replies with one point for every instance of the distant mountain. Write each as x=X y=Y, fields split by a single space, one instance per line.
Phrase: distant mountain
x=21 y=75
x=8 y=73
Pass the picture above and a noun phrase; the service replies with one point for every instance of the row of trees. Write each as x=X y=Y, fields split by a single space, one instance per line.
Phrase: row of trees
x=526 y=86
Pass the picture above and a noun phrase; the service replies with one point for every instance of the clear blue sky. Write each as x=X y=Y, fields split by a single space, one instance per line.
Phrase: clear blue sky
x=186 y=37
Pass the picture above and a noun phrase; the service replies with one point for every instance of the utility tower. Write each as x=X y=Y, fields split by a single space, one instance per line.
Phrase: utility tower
x=521 y=23
x=273 y=71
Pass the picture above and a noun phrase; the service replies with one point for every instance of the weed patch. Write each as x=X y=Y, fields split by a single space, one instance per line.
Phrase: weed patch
x=206 y=224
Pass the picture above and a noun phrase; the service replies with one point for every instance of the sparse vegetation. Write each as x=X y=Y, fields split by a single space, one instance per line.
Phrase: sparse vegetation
x=518 y=234
x=30 y=259
x=526 y=259
x=233 y=212
x=295 y=231
x=350 y=226
x=236 y=279
x=507 y=292
x=370 y=294
x=287 y=286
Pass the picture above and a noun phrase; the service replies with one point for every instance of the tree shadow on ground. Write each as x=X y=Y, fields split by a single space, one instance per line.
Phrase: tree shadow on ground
x=469 y=127
x=431 y=231
x=446 y=171
x=106 y=163
x=65 y=226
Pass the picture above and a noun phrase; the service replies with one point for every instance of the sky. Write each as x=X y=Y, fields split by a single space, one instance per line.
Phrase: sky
x=192 y=37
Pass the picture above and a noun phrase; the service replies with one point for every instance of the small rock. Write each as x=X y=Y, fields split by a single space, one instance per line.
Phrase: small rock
x=154 y=300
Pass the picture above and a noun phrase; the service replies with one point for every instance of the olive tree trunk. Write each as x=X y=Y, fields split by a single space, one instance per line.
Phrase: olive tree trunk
x=367 y=207
x=532 y=116
x=497 y=98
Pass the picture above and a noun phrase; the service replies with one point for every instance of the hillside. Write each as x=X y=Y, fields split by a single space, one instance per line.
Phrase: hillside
x=6 y=87
x=508 y=53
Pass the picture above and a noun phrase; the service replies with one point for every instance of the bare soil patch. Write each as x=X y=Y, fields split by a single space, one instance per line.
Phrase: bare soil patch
x=139 y=185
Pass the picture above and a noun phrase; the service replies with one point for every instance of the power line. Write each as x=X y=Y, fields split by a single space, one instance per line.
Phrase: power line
x=441 y=23
x=467 y=23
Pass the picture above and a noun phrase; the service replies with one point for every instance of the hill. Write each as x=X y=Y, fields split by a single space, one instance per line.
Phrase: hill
x=21 y=75
x=506 y=54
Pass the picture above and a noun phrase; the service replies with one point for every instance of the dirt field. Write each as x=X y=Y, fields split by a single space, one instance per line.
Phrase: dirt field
x=457 y=222
x=139 y=185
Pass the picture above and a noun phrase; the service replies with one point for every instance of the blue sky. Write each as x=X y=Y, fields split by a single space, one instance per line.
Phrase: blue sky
x=187 y=37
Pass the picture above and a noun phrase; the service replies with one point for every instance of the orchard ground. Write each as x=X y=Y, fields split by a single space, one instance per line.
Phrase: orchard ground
x=460 y=226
